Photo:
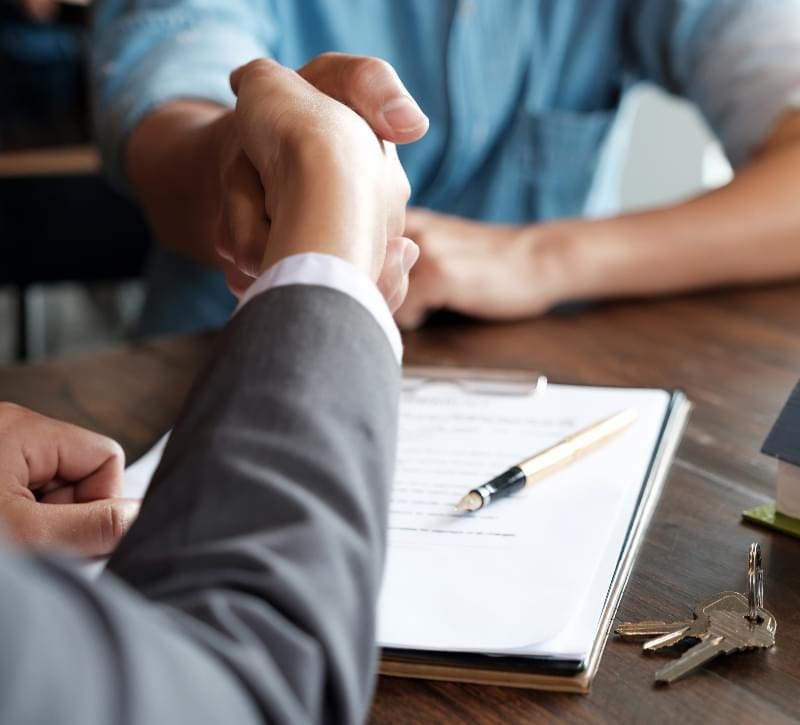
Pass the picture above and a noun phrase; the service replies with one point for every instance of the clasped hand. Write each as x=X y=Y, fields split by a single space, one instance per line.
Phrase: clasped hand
x=60 y=485
x=300 y=172
x=308 y=164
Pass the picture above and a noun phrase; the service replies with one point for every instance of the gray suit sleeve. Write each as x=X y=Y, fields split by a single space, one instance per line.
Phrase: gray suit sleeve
x=246 y=590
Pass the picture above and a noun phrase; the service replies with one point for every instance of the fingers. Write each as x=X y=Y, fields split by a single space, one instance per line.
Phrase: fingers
x=412 y=312
x=311 y=152
x=401 y=255
x=428 y=288
x=417 y=304
x=239 y=73
x=36 y=450
x=93 y=462
x=243 y=227
x=398 y=200
x=270 y=101
x=372 y=88
x=78 y=468
x=90 y=529
x=237 y=281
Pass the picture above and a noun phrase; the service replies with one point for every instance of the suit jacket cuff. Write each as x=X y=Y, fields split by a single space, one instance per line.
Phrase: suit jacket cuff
x=325 y=270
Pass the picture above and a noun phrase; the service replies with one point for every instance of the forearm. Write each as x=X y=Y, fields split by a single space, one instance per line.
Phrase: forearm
x=264 y=526
x=260 y=544
x=149 y=59
x=172 y=162
x=259 y=549
x=70 y=631
x=745 y=232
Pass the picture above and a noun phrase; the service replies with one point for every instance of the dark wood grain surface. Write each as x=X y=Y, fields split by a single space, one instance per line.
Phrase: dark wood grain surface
x=736 y=354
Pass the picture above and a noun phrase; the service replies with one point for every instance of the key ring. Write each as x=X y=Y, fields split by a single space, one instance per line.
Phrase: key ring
x=755 y=582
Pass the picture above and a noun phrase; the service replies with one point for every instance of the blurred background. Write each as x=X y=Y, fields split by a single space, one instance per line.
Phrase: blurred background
x=75 y=248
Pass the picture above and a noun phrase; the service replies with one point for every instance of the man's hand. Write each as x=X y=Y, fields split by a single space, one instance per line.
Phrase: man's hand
x=484 y=270
x=59 y=483
x=267 y=138
x=203 y=193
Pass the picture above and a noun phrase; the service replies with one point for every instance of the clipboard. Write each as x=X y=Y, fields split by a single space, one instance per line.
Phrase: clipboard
x=475 y=380
x=561 y=675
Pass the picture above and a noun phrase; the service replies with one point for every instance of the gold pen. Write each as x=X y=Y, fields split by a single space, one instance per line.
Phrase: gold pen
x=546 y=461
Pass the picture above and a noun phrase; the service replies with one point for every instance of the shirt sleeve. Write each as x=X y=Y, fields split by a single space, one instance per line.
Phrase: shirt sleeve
x=325 y=270
x=146 y=53
x=737 y=60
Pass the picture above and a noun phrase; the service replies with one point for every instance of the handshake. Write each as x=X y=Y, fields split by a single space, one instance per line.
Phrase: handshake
x=308 y=164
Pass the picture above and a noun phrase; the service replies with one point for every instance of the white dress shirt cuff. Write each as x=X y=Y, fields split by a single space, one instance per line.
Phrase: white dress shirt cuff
x=325 y=270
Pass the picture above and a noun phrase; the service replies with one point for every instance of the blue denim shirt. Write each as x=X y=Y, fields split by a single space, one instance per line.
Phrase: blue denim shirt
x=520 y=93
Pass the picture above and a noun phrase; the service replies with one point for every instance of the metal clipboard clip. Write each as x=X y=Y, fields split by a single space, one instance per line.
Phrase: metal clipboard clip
x=480 y=381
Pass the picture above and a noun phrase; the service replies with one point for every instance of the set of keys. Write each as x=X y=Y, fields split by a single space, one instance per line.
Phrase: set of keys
x=726 y=623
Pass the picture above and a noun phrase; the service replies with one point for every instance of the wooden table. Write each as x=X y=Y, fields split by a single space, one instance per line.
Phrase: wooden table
x=736 y=354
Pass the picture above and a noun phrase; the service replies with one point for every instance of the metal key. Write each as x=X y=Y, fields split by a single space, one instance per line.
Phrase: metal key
x=728 y=631
x=650 y=628
x=668 y=634
x=728 y=622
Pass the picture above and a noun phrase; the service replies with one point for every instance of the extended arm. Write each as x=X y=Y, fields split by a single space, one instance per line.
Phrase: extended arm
x=165 y=118
x=261 y=540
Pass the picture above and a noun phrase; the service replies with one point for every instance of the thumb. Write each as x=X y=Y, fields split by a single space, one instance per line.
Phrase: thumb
x=91 y=529
x=401 y=255
x=372 y=88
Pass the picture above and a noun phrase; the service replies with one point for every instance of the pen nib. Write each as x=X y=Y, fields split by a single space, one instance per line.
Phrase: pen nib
x=471 y=502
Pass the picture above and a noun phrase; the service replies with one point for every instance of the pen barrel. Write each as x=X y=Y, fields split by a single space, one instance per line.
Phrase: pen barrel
x=548 y=460
x=568 y=450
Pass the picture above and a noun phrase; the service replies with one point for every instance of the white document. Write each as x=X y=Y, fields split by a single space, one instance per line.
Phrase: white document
x=138 y=475
x=529 y=574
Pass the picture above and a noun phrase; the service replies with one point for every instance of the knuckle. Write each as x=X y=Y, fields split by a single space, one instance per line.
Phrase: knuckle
x=9 y=409
x=16 y=419
x=248 y=70
x=25 y=530
x=328 y=56
x=264 y=65
x=115 y=451
x=319 y=67
x=111 y=525
x=366 y=71
x=257 y=71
